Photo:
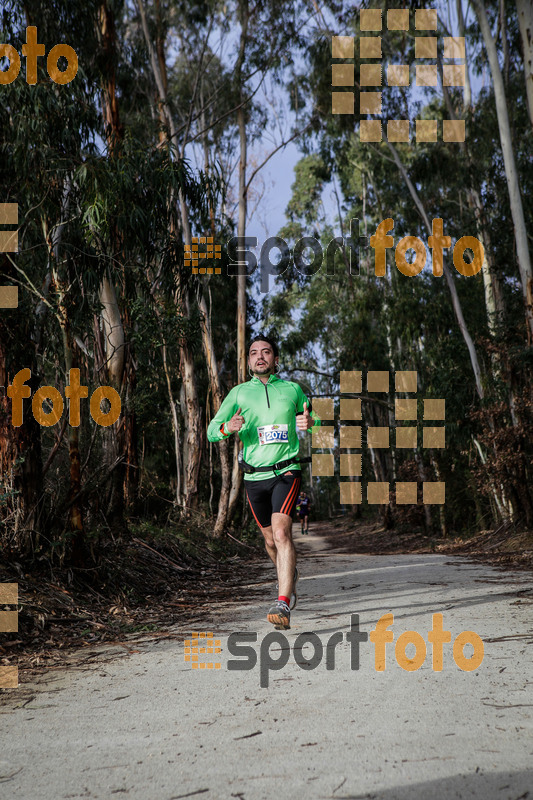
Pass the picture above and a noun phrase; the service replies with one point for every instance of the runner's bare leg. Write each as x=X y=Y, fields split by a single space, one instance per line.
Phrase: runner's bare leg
x=285 y=552
x=269 y=543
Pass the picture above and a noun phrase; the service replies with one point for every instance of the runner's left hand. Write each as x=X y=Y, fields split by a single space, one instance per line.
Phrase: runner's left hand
x=304 y=421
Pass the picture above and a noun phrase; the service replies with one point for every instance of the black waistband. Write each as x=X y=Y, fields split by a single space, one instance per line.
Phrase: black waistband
x=278 y=465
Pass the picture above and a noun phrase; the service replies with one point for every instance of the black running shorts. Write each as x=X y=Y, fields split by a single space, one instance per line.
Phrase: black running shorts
x=273 y=495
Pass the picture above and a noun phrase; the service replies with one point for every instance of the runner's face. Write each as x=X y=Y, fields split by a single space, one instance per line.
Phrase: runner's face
x=261 y=359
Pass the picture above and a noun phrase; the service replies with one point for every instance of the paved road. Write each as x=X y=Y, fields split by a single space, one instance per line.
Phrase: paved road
x=147 y=726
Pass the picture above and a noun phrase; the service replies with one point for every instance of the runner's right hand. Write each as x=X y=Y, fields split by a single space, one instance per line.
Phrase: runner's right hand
x=236 y=422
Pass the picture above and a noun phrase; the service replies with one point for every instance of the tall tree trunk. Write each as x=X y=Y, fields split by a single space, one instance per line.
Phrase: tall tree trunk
x=113 y=370
x=75 y=509
x=494 y=302
x=236 y=476
x=193 y=448
x=243 y=199
x=60 y=284
x=505 y=43
x=75 y=514
x=175 y=424
x=451 y=283
x=449 y=278
x=494 y=299
x=493 y=296
x=525 y=21
x=511 y=174
x=461 y=25
x=211 y=360
x=216 y=396
x=113 y=333
x=193 y=427
x=120 y=438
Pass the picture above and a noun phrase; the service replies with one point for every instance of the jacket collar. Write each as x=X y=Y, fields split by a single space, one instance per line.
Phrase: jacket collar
x=271 y=379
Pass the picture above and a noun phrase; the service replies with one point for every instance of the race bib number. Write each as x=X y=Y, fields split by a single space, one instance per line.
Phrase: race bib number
x=273 y=434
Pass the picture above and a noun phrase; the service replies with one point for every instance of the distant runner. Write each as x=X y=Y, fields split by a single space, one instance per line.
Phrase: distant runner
x=266 y=412
x=303 y=512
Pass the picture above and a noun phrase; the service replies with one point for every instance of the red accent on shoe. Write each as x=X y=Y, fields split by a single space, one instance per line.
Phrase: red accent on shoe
x=285 y=599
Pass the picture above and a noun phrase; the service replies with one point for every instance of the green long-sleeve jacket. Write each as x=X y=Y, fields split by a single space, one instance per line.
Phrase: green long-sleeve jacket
x=269 y=433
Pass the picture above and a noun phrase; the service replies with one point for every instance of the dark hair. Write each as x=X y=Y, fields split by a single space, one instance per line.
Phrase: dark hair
x=269 y=341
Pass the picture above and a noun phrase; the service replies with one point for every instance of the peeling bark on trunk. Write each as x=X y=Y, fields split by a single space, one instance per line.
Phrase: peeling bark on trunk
x=216 y=395
x=194 y=431
x=108 y=40
x=113 y=333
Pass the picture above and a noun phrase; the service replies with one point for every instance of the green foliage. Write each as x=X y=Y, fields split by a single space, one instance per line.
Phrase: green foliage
x=343 y=322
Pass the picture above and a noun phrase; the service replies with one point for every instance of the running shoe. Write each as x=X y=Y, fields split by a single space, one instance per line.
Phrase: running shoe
x=294 y=593
x=279 y=614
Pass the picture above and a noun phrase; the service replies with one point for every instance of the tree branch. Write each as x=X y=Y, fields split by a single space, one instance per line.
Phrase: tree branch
x=283 y=144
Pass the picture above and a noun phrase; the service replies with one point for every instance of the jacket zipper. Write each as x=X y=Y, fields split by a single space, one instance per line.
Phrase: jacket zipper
x=266 y=390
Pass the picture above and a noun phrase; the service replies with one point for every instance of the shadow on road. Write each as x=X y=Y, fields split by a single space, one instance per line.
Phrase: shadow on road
x=476 y=786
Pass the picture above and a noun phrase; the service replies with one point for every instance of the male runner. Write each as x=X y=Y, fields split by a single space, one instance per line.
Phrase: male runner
x=304 y=512
x=266 y=412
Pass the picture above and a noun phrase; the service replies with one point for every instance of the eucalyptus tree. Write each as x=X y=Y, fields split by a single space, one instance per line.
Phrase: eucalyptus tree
x=42 y=148
x=525 y=20
x=439 y=180
x=511 y=172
